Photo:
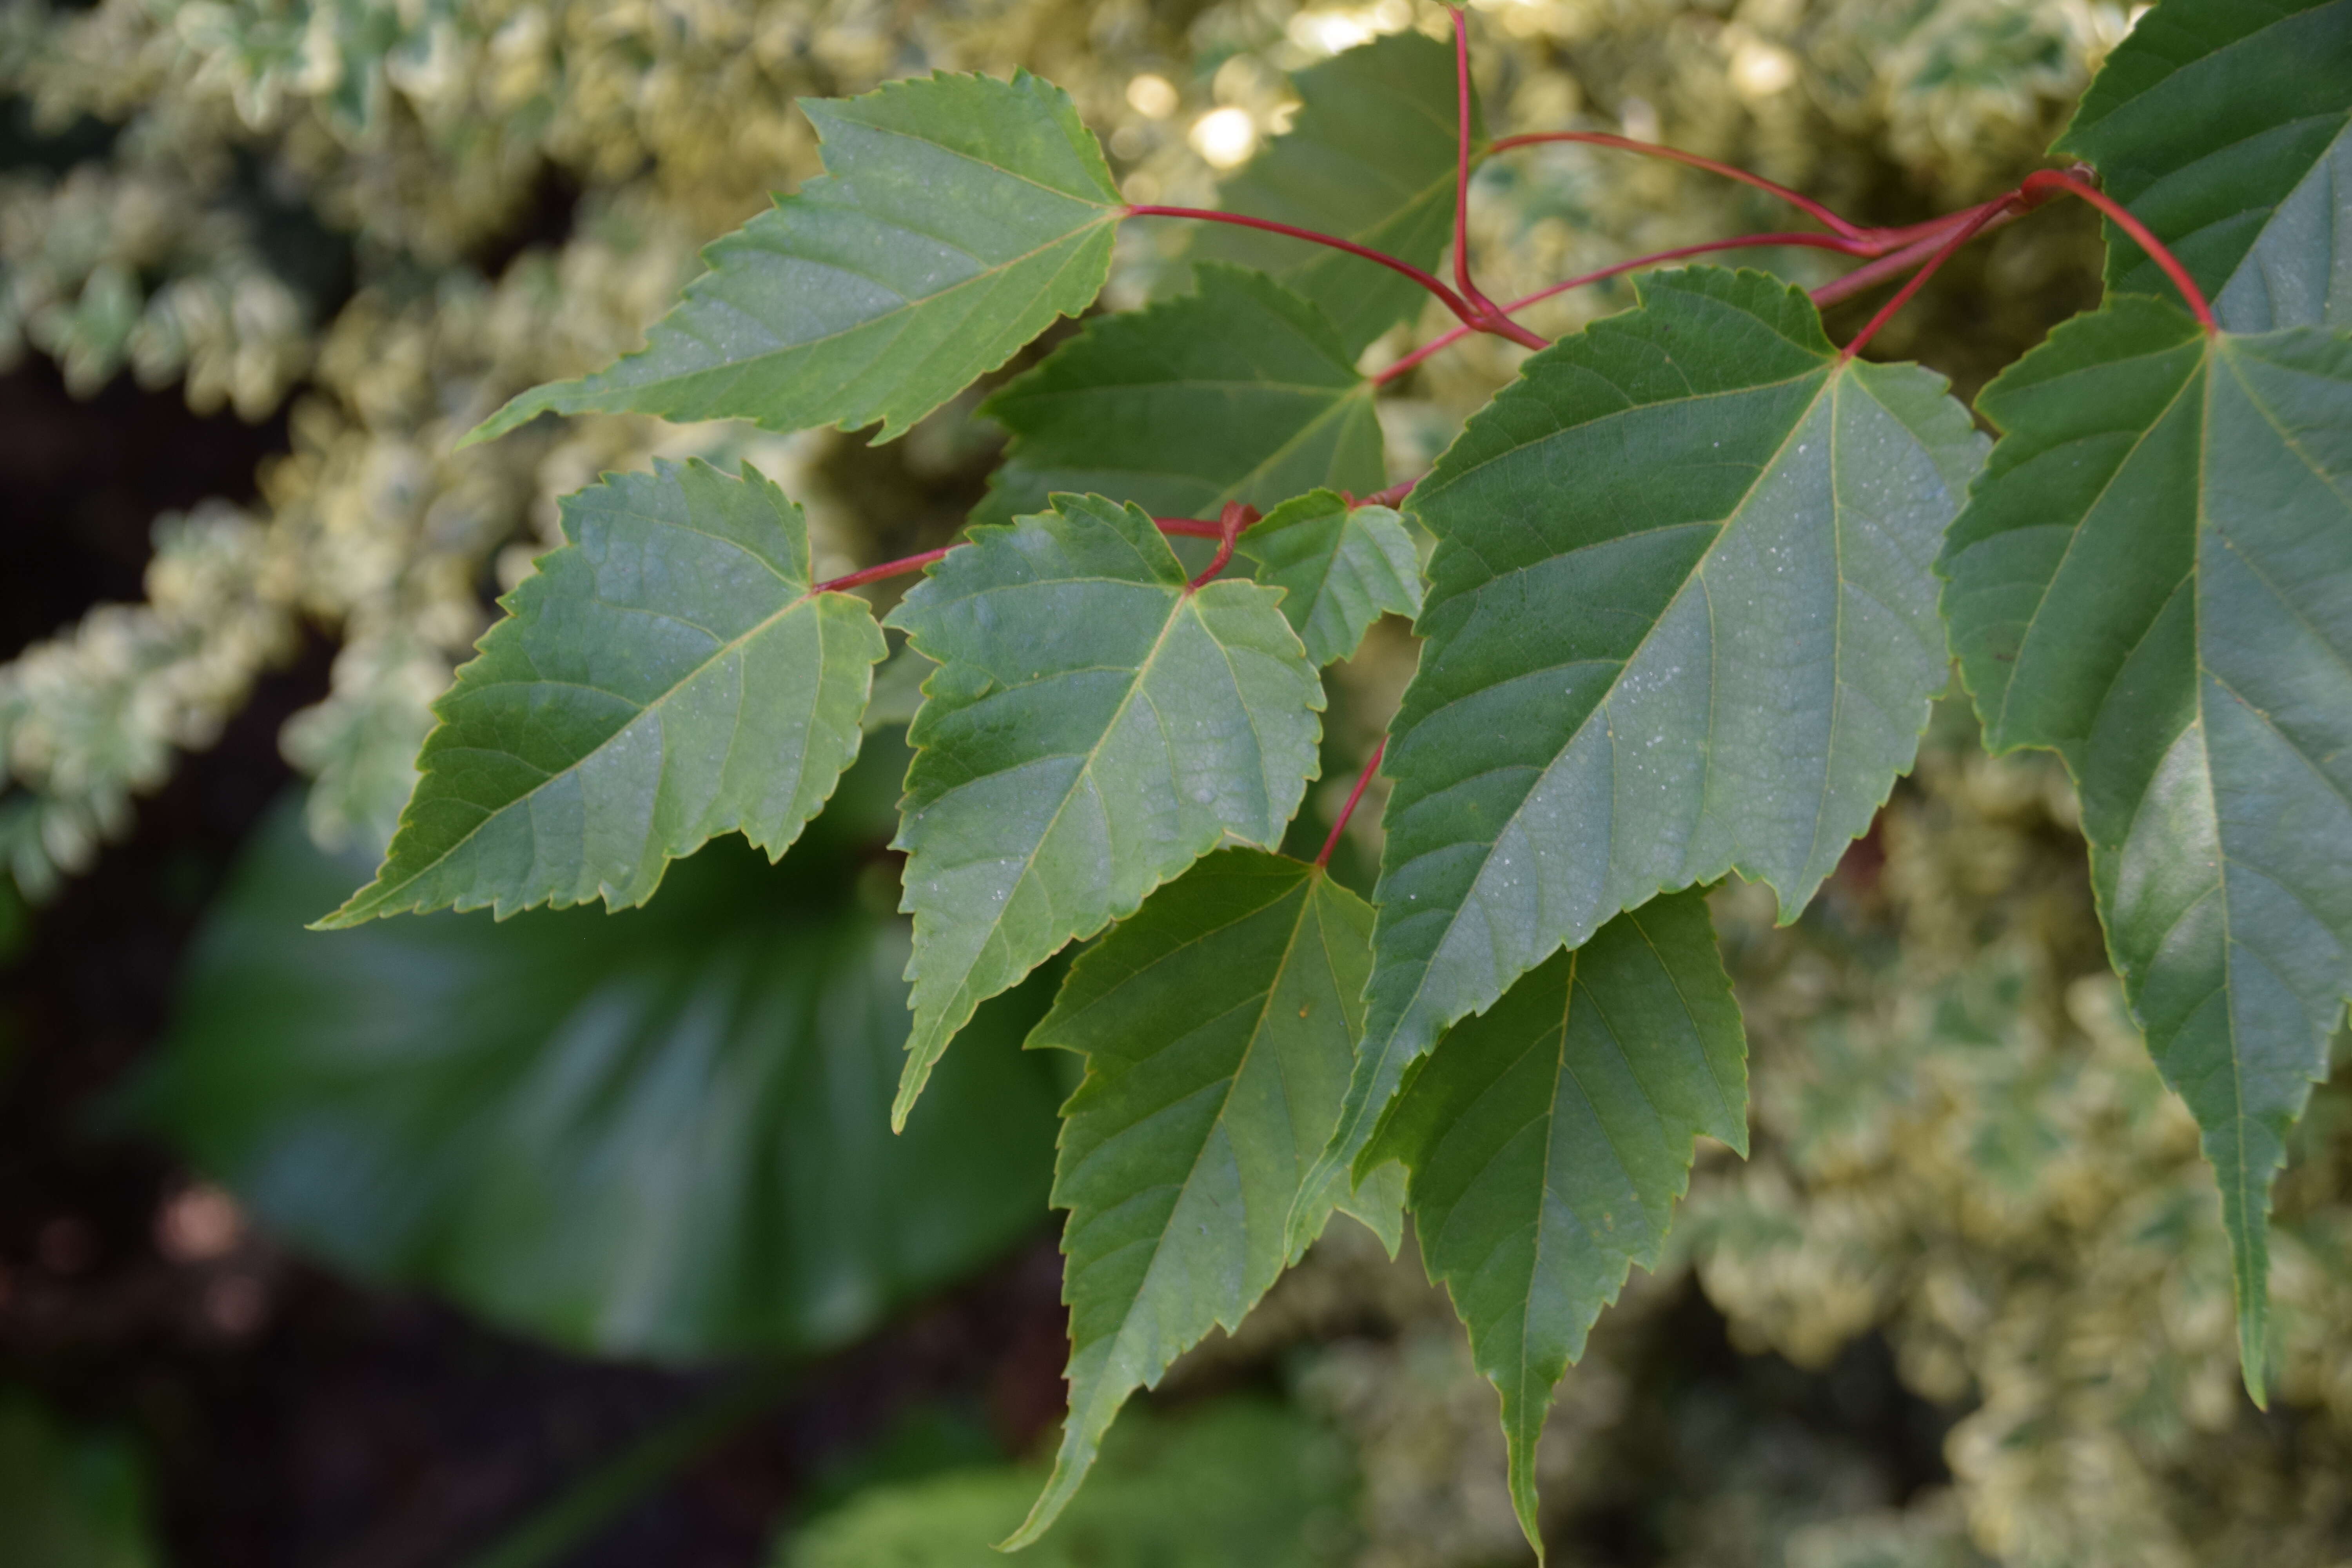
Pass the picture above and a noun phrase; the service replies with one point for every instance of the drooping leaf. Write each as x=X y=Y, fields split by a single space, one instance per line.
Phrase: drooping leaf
x=1370 y=157
x=2155 y=578
x=67 y=1498
x=662 y=1132
x=1095 y=727
x=1242 y=1484
x=667 y=676
x=1239 y=392
x=1341 y=568
x=1549 y=1138
x=1219 y=1024
x=958 y=216
x=1681 y=622
x=2226 y=127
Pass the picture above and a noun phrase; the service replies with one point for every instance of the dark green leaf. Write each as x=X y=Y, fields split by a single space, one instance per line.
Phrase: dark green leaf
x=1219 y=1024
x=1369 y=157
x=1095 y=727
x=1681 y=622
x=667 y=676
x=958 y=216
x=1341 y=567
x=663 y=1132
x=1239 y=1485
x=68 y=1499
x=2155 y=578
x=2226 y=127
x=1240 y=391
x=1550 y=1137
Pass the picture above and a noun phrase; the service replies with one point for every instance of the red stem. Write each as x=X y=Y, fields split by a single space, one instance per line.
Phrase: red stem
x=1446 y=295
x=899 y=568
x=1391 y=497
x=1805 y=203
x=1491 y=317
x=2003 y=208
x=1967 y=232
x=1371 y=764
x=2044 y=183
x=1230 y=523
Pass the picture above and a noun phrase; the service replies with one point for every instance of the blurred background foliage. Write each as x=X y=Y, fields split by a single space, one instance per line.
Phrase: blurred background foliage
x=1975 y=1288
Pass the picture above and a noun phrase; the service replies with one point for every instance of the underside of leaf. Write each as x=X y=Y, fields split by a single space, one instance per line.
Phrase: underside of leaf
x=1549 y=1138
x=958 y=216
x=1096 y=726
x=1219 y=1024
x=666 y=676
x=2155 y=578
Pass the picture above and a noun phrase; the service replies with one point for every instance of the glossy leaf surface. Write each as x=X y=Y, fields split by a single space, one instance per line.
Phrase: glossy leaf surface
x=1219 y=1024
x=1095 y=727
x=1681 y=622
x=1370 y=157
x=2155 y=578
x=666 y=676
x=1340 y=568
x=658 y=1133
x=1239 y=392
x=2226 y=127
x=957 y=217
x=1549 y=1138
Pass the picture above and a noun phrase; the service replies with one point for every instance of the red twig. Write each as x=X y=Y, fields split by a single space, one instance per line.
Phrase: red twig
x=1370 y=765
x=899 y=568
x=1446 y=295
x=1191 y=527
x=1230 y=523
x=2043 y=184
x=1966 y=232
x=1805 y=203
x=2003 y=209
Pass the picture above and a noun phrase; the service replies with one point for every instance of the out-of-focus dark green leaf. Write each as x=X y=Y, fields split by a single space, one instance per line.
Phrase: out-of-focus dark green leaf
x=68 y=1500
x=1242 y=1485
x=663 y=1132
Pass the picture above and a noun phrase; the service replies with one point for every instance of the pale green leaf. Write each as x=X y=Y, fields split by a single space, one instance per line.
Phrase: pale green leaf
x=2226 y=127
x=1549 y=1138
x=1369 y=156
x=1681 y=622
x=1095 y=725
x=1239 y=392
x=662 y=1132
x=666 y=676
x=2155 y=578
x=1341 y=568
x=958 y=216
x=1219 y=1024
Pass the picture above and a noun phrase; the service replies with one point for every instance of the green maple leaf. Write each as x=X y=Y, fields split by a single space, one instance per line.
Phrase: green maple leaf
x=1369 y=156
x=1239 y=392
x=958 y=216
x=1341 y=567
x=667 y=676
x=1095 y=725
x=1219 y=1024
x=2154 y=577
x=2226 y=127
x=1550 y=1137
x=1681 y=622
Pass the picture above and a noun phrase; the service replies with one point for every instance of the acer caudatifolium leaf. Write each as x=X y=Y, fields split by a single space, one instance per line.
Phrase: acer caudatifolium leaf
x=2154 y=577
x=1240 y=391
x=1681 y=621
x=957 y=217
x=1340 y=568
x=667 y=676
x=1369 y=156
x=1219 y=1023
x=1549 y=1138
x=1095 y=725
x=663 y=1132
x=2226 y=127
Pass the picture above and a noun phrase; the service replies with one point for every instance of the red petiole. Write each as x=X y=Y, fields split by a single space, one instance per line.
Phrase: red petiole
x=907 y=566
x=1230 y=523
x=1446 y=295
x=1371 y=765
